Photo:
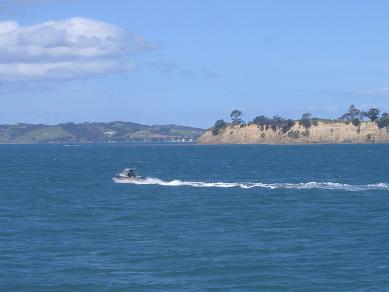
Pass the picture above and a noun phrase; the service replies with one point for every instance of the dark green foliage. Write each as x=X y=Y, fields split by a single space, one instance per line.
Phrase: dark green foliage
x=218 y=127
x=353 y=114
x=261 y=121
x=305 y=133
x=373 y=114
x=294 y=134
x=236 y=117
x=288 y=124
x=306 y=116
x=280 y=123
x=306 y=120
x=383 y=122
x=356 y=122
x=277 y=122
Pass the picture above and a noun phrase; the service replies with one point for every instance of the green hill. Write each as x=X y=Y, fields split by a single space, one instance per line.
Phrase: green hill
x=97 y=132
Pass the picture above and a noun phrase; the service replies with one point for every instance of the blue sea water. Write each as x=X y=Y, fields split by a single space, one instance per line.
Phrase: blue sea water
x=249 y=217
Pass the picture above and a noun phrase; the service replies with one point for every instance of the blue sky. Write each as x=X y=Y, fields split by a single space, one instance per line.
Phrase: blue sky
x=190 y=62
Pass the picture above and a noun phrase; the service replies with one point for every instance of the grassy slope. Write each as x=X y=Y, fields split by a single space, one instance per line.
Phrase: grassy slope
x=95 y=132
x=46 y=134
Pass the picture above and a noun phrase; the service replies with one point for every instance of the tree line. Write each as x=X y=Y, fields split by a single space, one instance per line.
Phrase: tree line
x=353 y=115
x=357 y=116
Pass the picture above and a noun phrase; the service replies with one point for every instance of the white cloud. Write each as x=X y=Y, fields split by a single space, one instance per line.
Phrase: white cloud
x=65 y=49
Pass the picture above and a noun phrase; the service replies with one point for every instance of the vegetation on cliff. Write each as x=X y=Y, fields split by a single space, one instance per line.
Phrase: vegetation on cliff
x=353 y=115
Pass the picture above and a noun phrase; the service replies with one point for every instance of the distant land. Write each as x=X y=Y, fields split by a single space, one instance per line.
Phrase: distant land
x=355 y=126
x=113 y=132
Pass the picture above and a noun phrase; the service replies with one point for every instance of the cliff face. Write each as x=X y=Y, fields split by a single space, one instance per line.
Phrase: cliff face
x=324 y=132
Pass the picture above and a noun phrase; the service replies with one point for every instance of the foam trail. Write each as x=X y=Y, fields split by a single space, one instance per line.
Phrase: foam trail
x=250 y=185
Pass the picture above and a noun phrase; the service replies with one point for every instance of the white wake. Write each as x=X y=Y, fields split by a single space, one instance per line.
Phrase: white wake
x=250 y=185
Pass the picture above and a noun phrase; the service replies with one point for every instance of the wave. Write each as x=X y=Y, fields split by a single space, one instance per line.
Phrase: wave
x=271 y=186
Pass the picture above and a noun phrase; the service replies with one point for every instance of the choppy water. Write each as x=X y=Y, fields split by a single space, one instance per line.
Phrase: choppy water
x=244 y=217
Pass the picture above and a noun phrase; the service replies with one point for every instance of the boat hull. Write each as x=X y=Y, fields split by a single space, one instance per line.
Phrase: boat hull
x=130 y=179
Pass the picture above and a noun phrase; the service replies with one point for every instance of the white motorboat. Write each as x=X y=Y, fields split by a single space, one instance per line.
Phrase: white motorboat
x=129 y=174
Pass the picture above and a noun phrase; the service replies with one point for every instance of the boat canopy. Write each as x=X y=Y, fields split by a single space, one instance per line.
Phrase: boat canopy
x=131 y=172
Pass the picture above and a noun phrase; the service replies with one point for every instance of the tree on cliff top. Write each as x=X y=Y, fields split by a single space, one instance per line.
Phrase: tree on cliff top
x=354 y=112
x=219 y=126
x=373 y=114
x=383 y=122
x=306 y=120
x=235 y=116
x=261 y=120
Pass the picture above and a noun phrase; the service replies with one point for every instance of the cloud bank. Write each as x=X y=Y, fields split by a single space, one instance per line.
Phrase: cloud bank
x=65 y=49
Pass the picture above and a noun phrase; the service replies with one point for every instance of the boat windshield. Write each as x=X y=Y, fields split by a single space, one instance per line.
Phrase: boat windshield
x=132 y=172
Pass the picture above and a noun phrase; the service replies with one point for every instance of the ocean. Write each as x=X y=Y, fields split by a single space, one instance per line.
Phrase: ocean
x=228 y=217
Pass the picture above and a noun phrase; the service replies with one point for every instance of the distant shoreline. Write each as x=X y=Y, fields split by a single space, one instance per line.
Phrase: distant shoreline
x=113 y=132
x=200 y=144
x=107 y=143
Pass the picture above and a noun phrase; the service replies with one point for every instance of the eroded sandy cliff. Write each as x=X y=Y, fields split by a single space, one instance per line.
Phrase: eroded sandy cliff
x=324 y=132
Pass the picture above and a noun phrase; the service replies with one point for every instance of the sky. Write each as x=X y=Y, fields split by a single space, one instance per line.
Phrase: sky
x=190 y=62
